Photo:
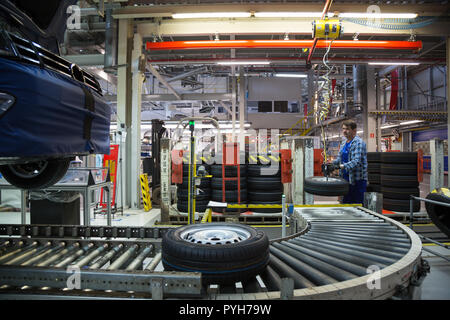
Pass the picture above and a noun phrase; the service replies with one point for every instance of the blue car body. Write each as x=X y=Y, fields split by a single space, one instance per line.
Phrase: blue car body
x=51 y=116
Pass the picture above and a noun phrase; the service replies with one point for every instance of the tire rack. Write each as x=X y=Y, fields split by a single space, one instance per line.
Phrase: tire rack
x=326 y=259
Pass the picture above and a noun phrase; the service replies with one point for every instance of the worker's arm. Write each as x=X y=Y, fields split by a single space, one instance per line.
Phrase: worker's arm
x=356 y=153
x=338 y=160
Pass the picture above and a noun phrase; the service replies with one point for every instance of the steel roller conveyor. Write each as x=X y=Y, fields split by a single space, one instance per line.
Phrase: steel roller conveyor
x=330 y=255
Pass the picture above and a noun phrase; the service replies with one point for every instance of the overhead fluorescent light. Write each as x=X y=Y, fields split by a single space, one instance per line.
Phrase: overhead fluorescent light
x=199 y=15
x=290 y=75
x=291 y=14
x=410 y=122
x=230 y=63
x=401 y=124
x=399 y=63
x=367 y=15
x=389 y=126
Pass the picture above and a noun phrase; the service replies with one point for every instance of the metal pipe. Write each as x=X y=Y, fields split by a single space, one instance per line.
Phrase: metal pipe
x=436 y=253
x=326 y=268
x=338 y=254
x=72 y=257
x=163 y=81
x=57 y=256
x=138 y=260
x=317 y=277
x=271 y=280
x=91 y=256
x=350 y=267
x=43 y=254
x=4 y=244
x=123 y=258
x=17 y=251
x=435 y=242
x=284 y=270
x=103 y=260
x=432 y=201
x=18 y=259
x=294 y=44
x=154 y=263
x=373 y=257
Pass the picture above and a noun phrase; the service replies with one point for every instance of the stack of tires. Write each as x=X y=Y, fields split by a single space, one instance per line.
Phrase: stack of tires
x=399 y=180
x=374 y=171
x=264 y=186
x=231 y=186
x=204 y=188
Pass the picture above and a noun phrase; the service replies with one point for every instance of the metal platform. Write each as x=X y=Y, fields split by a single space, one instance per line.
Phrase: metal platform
x=330 y=253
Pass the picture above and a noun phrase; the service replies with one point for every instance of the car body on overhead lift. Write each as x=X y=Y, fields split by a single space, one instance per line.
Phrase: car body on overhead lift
x=50 y=109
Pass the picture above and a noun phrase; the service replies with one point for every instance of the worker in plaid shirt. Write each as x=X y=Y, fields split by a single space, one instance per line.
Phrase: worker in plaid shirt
x=352 y=160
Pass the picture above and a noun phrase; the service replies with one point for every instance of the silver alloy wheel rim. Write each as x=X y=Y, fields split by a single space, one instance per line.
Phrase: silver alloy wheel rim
x=29 y=170
x=215 y=235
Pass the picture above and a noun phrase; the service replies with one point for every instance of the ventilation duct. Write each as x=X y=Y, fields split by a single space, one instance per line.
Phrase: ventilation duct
x=359 y=87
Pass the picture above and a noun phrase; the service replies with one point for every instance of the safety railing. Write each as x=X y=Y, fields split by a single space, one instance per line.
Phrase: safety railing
x=411 y=218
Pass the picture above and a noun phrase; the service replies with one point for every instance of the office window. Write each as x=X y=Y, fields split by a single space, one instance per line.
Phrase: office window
x=264 y=106
x=280 y=106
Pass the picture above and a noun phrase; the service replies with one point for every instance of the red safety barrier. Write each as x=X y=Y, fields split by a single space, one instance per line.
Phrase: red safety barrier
x=177 y=166
x=286 y=166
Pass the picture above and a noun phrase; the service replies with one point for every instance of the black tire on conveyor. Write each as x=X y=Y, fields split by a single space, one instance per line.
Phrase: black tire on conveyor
x=219 y=264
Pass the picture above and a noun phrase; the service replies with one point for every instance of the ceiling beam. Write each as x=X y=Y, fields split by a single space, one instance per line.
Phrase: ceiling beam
x=131 y=12
x=266 y=26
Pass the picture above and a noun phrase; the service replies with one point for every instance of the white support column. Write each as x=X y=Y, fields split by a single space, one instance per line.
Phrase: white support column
x=166 y=166
x=378 y=118
x=124 y=106
x=370 y=123
x=135 y=138
x=302 y=149
x=242 y=107
x=437 y=164
x=448 y=104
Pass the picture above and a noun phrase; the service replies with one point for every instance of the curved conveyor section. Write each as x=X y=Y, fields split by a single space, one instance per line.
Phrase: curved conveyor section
x=343 y=253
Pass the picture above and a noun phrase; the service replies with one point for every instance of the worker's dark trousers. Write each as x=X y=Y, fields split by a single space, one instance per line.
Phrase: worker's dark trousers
x=355 y=192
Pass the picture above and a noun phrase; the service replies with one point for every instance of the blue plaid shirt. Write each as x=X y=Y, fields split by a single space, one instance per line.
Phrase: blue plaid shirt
x=357 y=160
